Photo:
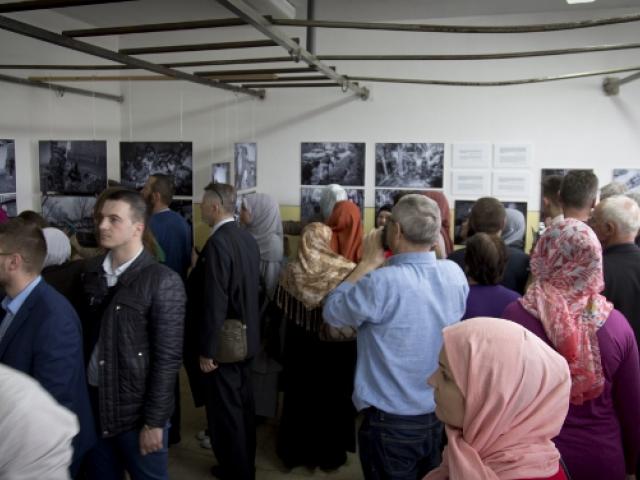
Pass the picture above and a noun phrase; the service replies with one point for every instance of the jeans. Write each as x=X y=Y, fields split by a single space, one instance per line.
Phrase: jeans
x=399 y=447
x=109 y=459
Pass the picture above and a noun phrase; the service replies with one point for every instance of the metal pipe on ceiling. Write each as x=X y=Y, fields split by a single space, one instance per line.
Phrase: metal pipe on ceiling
x=155 y=27
x=291 y=85
x=31 y=31
x=148 y=78
x=29 y=5
x=414 y=27
x=252 y=16
x=498 y=83
x=258 y=71
x=60 y=88
x=198 y=47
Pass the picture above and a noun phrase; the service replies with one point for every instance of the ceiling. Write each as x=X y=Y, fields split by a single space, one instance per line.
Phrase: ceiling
x=153 y=11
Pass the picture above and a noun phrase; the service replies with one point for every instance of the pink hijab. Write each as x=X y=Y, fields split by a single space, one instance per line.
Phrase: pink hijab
x=565 y=296
x=516 y=397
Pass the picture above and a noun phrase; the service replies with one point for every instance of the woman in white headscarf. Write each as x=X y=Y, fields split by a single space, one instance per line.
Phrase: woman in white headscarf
x=260 y=215
x=514 y=229
x=57 y=270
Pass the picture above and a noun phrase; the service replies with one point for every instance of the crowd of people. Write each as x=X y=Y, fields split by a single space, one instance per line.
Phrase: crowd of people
x=479 y=363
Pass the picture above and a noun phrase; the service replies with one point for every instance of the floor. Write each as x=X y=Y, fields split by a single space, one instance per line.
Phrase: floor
x=188 y=461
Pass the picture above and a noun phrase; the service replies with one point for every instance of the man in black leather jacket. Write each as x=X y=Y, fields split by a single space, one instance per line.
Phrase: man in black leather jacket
x=133 y=317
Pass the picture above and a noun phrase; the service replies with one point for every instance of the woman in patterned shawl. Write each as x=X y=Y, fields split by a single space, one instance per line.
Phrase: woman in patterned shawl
x=318 y=418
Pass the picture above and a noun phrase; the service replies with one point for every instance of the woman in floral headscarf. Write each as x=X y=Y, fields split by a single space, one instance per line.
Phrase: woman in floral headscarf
x=318 y=418
x=601 y=435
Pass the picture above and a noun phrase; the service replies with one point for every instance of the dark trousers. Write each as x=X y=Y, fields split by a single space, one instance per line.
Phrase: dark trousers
x=399 y=447
x=176 y=417
x=231 y=419
x=111 y=457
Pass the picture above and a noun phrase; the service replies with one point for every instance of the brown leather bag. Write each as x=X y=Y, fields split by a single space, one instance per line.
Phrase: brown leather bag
x=232 y=342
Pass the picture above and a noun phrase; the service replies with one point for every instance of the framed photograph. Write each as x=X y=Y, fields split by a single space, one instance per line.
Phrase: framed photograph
x=546 y=172
x=8 y=204
x=310 y=203
x=184 y=208
x=221 y=172
x=239 y=199
x=629 y=176
x=246 y=157
x=324 y=163
x=511 y=184
x=69 y=214
x=462 y=211
x=512 y=155
x=73 y=167
x=385 y=196
x=409 y=165
x=7 y=166
x=472 y=183
x=139 y=160
x=471 y=155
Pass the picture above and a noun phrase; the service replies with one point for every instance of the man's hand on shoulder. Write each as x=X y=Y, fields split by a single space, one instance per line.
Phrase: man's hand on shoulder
x=372 y=255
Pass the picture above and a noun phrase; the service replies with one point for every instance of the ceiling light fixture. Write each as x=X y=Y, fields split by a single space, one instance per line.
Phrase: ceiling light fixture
x=571 y=2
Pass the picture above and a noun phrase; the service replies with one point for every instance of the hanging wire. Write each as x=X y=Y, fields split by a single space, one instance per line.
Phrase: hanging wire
x=130 y=111
x=181 y=111
x=93 y=109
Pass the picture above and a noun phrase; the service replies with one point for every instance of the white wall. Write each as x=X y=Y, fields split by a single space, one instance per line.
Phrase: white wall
x=570 y=123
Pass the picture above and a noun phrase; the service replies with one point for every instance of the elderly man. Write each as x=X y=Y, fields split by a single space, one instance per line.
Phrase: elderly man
x=616 y=221
x=399 y=311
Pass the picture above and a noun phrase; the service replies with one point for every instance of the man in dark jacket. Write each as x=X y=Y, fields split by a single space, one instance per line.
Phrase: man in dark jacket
x=133 y=318
x=224 y=285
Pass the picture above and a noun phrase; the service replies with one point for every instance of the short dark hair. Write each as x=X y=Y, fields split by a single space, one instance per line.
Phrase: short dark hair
x=164 y=185
x=224 y=194
x=485 y=258
x=29 y=216
x=25 y=238
x=139 y=210
x=579 y=189
x=487 y=216
x=551 y=187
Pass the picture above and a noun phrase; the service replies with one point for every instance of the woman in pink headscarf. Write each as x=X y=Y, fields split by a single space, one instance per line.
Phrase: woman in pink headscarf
x=600 y=438
x=502 y=394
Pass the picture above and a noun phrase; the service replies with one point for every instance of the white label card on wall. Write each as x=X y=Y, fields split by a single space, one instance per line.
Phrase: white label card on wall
x=473 y=183
x=471 y=155
x=512 y=155
x=511 y=184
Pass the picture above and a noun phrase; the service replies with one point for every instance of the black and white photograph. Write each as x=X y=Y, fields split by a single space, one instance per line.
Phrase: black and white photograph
x=409 y=165
x=184 y=208
x=246 y=159
x=8 y=204
x=324 y=163
x=221 y=172
x=547 y=172
x=628 y=176
x=73 y=167
x=385 y=196
x=69 y=214
x=139 y=160
x=310 y=210
x=462 y=210
x=7 y=166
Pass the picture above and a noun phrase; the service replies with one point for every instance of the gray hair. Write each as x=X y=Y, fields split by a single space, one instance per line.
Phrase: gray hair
x=612 y=189
x=622 y=211
x=634 y=196
x=419 y=218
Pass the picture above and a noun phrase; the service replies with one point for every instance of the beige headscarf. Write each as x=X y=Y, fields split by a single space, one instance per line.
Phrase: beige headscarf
x=317 y=269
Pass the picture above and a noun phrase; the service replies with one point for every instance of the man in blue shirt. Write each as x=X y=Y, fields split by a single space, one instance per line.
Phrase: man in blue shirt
x=173 y=234
x=399 y=311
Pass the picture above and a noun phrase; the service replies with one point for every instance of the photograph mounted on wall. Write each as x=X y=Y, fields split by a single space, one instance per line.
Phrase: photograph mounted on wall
x=324 y=163
x=184 y=208
x=246 y=159
x=221 y=172
x=386 y=196
x=462 y=210
x=547 y=172
x=8 y=204
x=69 y=214
x=139 y=160
x=7 y=166
x=628 y=176
x=73 y=167
x=409 y=165
x=310 y=210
